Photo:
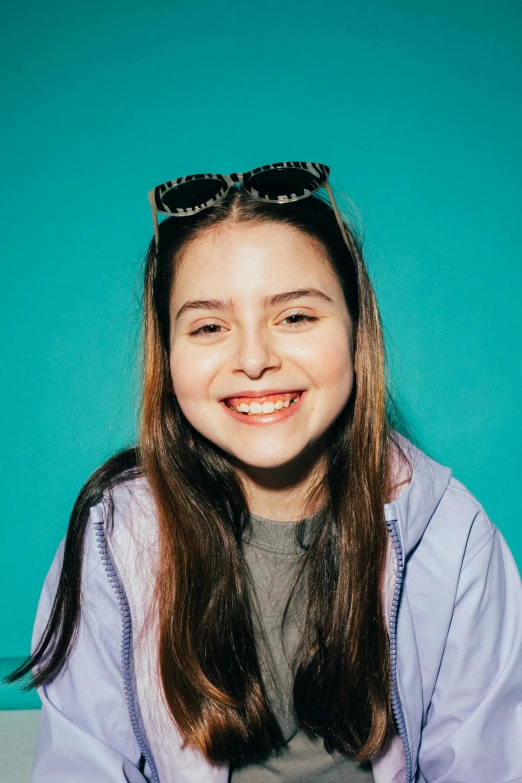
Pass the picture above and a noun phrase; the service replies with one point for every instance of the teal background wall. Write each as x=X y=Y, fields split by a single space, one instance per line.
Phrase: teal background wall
x=414 y=105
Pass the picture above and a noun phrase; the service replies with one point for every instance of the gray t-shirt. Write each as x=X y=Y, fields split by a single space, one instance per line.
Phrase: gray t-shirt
x=273 y=553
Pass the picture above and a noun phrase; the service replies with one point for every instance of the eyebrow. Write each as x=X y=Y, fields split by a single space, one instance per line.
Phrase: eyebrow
x=268 y=301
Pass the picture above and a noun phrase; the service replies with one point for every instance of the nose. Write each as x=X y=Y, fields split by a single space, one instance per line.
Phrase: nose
x=255 y=353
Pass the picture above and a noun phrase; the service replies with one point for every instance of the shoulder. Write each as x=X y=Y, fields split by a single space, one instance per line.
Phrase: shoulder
x=464 y=509
x=125 y=522
x=452 y=544
x=121 y=543
x=436 y=506
x=127 y=509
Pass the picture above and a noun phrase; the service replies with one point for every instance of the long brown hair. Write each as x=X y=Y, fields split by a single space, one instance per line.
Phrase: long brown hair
x=208 y=661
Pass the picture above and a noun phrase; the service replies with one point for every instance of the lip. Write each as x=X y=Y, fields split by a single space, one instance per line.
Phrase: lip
x=262 y=393
x=264 y=418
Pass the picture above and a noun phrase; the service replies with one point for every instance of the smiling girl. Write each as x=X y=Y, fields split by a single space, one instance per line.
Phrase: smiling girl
x=274 y=585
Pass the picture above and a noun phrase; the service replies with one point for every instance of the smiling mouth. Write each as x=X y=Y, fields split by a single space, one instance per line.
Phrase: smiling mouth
x=262 y=405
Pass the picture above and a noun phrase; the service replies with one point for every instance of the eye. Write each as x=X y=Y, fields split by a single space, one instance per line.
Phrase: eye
x=207 y=329
x=299 y=318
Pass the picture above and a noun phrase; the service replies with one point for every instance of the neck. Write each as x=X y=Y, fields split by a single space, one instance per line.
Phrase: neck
x=282 y=506
x=286 y=493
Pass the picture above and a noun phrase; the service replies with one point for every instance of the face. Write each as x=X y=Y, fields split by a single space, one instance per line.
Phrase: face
x=260 y=344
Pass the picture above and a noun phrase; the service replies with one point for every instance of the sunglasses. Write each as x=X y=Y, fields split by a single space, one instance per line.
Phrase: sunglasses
x=278 y=183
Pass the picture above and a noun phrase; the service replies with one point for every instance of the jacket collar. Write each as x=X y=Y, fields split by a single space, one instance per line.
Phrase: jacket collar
x=413 y=509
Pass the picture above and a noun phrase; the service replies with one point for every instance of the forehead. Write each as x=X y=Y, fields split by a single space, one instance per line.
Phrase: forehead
x=245 y=257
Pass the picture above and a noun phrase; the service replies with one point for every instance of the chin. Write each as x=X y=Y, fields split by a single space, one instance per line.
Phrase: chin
x=270 y=460
x=257 y=460
x=270 y=463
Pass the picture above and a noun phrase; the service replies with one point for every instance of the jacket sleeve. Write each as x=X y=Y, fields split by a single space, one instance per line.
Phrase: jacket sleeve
x=473 y=730
x=85 y=733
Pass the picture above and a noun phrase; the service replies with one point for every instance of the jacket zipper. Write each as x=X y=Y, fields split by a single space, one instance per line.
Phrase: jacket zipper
x=396 y=702
x=127 y=661
x=126 y=649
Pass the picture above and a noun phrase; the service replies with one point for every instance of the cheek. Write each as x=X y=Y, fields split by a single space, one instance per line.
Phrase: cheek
x=189 y=391
x=330 y=364
x=187 y=376
x=192 y=373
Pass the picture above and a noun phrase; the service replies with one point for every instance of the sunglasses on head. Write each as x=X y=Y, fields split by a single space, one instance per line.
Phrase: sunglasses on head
x=278 y=183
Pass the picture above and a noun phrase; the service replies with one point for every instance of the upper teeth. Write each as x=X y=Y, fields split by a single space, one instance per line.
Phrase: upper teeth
x=265 y=407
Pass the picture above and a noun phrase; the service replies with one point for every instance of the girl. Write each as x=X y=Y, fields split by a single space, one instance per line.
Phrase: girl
x=275 y=585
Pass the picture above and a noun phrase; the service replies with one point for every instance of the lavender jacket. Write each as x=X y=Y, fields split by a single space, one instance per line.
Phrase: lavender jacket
x=453 y=601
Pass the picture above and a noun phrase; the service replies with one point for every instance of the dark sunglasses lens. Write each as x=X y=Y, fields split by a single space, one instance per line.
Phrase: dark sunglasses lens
x=194 y=193
x=284 y=182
